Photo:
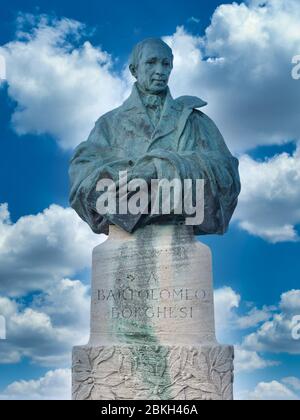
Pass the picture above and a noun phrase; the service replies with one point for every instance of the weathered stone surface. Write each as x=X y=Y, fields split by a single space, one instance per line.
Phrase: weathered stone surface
x=152 y=321
x=153 y=373
x=152 y=287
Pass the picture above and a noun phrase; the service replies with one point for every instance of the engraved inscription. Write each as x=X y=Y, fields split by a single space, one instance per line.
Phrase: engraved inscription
x=130 y=303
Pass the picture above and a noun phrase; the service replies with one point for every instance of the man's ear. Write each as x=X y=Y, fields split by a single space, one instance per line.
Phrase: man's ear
x=132 y=69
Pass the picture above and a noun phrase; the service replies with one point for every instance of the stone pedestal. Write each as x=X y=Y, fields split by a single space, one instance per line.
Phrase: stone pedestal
x=152 y=321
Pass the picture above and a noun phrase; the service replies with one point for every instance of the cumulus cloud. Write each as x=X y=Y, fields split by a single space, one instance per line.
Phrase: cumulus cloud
x=252 y=96
x=2 y=69
x=270 y=391
x=39 y=249
x=226 y=302
x=54 y=385
x=292 y=382
x=46 y=329
x=68 y=84
x=269 y=205
x=228 y=322
x=275 y=335
x=248 y=361
x=36 y=254
x=254 y=100
x=255 y=317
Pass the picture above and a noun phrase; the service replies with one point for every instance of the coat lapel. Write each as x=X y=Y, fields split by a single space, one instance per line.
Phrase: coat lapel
x=169 y=118
x=136 y=114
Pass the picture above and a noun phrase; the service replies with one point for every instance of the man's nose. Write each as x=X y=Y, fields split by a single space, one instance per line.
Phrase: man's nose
x=160 y=69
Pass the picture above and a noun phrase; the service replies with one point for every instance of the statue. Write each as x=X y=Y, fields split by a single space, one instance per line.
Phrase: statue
x=152 y=313
x=151 y=136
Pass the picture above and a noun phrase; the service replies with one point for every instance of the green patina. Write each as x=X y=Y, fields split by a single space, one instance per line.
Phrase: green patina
x=149 y=357
x=154 y=136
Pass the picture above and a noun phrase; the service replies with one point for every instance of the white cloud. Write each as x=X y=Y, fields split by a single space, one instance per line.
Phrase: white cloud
x=36 y=252
x=252 y=97
x=226 y=302
x=290 y=302
x=67 y=303
x=39 y=249
x=275 y=336
x=2 y=69
x=254 y=101
x=270 y=391
x=194 y=19
x=4 y=213
x=61 y=83
x=228 y=321
x=292 y=382
x=242 y=67
x=269 y=204
x=248 y=361
x=55 y=385
x=46 y=329
x=255 y=317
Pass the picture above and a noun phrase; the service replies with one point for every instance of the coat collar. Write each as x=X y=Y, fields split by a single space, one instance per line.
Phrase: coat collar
x=169 y=116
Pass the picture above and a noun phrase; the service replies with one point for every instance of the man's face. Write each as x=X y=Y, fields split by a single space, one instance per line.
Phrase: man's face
x=154 y=68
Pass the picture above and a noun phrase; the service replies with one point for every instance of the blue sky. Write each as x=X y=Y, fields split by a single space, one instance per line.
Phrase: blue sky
x=254 y=101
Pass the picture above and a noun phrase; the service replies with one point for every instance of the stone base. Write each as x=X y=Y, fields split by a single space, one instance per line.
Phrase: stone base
x=140 y=372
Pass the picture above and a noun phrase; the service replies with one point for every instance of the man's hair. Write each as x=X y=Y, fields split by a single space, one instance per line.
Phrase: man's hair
x=138 y=49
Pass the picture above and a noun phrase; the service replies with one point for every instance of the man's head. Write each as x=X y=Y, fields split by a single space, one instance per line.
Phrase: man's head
x=151 y=64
